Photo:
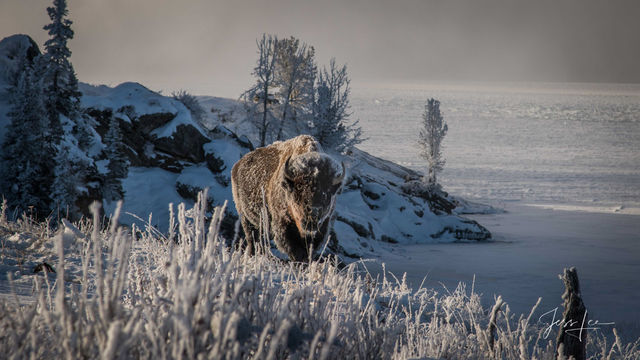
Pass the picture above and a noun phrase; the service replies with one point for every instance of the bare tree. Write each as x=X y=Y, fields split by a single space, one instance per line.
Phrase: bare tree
x=259 y=98
x=430 y=140
x=295 y=77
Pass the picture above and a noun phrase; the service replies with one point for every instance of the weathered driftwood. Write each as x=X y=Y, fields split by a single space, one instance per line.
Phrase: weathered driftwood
x=572 y=335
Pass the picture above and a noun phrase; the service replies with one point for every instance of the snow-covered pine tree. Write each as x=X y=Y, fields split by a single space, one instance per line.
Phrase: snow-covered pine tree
x=60 y=83
x=331 y=110
x=62 y=97
x=430 y=139
x=259 y=99
x=118 y=166
x=27 y=151
x=71 y=132
x=295 y=77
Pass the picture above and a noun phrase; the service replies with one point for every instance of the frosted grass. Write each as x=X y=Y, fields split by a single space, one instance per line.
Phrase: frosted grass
x=189 y=295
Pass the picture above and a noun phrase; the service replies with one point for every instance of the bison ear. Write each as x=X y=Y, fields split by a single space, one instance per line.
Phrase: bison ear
x=338 y=179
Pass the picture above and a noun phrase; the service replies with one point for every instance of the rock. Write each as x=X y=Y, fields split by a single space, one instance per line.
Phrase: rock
x=436 y=198
x=215 y=164
x=358 y=228
x=474 y=232
x=149 y=122
x=13 y=49
x=220 y=132
x=185 y=144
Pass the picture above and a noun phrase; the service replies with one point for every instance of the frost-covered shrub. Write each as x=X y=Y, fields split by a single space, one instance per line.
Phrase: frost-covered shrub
x=198 y=113
x=187 y=294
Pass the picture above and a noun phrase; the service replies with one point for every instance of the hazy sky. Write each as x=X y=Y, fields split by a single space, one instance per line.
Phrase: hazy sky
x=208 y=46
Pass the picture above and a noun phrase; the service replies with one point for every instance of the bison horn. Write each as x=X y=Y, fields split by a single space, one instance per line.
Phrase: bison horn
x=287 y=170
x=338 y=179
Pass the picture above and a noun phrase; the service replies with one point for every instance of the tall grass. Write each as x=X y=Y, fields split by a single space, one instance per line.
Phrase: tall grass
x=190 y=296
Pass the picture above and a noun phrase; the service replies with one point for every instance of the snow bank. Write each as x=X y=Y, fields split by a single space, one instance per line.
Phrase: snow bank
x=148 y=191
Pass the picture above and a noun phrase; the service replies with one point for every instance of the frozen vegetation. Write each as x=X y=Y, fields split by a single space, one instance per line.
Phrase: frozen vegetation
x=133 y=293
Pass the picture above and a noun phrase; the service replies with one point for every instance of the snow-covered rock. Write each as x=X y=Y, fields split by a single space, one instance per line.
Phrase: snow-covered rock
x=13 y=49
x=375 y=205
x=172 y=157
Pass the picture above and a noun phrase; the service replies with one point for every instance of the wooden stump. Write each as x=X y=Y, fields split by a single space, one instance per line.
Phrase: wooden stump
x=572 y=335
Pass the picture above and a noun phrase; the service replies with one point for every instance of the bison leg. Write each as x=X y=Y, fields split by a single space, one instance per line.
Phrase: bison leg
x=294 y=245
x=299 y=254
x=251 y=235
x=299 y=249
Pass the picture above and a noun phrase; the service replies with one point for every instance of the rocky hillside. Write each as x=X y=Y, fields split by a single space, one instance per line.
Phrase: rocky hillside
x=172 y=157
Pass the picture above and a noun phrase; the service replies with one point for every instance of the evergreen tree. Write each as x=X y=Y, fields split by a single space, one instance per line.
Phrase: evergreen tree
x=331 y=110
x=430 y=140
x=70 y=130
x=27 y=152
x=61 y=83
x=118 y=166
x=62 y=97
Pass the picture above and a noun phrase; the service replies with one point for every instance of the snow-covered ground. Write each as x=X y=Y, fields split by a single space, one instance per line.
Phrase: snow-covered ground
x=563 y=160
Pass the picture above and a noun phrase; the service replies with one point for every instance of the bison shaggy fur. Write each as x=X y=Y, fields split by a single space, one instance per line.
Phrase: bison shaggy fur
x=297 y=184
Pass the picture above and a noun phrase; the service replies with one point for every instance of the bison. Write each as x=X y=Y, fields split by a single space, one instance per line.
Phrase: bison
x=297 y=184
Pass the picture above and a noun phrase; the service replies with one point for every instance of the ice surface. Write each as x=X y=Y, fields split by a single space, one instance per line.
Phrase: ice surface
x=576 y=144
x=532 y=247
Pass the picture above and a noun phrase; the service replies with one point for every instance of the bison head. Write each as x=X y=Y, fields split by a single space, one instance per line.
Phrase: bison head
x=311 y=182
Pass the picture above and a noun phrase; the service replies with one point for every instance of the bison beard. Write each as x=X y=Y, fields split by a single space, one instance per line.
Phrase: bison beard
x=297 y=183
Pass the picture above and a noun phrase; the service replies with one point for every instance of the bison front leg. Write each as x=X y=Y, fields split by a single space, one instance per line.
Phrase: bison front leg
x=291 y=243
x=251 y=235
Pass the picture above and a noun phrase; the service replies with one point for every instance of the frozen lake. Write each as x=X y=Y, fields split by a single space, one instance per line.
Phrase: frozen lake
x=548 y=144
x=562 y=159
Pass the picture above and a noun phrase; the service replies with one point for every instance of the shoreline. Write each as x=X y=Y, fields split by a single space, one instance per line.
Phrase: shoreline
x=531 y=247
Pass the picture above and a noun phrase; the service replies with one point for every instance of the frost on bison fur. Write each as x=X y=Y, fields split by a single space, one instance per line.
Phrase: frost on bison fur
x=297 y=184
